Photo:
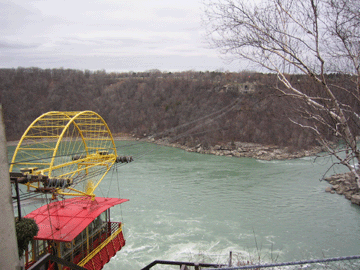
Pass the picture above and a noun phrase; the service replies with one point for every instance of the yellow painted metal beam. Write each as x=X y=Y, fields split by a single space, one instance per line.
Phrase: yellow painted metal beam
x=100 y=247
x=83 y=127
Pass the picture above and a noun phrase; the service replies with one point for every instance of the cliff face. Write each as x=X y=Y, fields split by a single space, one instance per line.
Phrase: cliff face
x=190 y=108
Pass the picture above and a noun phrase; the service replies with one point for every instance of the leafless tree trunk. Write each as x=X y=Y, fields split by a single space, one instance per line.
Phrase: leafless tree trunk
x=311 y=37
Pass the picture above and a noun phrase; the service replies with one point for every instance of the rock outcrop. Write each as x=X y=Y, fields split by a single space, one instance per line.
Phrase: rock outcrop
x=250 y=150
x=344 y=184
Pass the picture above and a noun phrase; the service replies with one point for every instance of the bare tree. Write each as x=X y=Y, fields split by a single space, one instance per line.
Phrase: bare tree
x=310 y=37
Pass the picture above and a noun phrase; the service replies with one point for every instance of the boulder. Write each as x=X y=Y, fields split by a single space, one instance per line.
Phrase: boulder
x=217 y=147
x=355 y=199
x=348 y=195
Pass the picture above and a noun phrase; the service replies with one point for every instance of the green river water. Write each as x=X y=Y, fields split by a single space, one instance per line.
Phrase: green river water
x=187 y=206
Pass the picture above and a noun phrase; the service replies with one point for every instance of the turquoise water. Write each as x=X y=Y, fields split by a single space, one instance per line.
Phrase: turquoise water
x=187 y=206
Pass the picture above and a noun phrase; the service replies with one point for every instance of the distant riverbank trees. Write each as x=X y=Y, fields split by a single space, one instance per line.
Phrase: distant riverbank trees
x=186 y=107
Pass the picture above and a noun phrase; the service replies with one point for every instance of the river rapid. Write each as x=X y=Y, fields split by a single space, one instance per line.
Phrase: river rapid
x=187 y=206
x=193 y=207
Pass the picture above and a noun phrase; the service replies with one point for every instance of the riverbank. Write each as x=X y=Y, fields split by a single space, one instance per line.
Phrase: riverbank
x=234 y=149
x=342 y=184
x=243 y=149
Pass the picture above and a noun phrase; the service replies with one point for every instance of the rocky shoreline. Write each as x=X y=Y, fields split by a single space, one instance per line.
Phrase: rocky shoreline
x=234 y=149
x=341 y=184
x=242 y=149
x=344 y=184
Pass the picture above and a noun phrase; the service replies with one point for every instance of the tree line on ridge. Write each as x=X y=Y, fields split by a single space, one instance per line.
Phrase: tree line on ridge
x=242 y=106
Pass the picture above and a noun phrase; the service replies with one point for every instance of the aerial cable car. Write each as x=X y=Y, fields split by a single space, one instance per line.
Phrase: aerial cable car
x=67 y=155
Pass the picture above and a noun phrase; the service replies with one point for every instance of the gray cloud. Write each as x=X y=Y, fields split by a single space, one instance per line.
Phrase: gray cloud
x=107 y=34
x=14 y=46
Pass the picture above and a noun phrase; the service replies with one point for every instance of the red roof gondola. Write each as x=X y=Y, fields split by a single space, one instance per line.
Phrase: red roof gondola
x=64 y=220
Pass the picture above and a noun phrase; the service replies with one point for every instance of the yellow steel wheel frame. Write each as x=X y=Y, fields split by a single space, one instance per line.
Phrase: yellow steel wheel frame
x=66 y=147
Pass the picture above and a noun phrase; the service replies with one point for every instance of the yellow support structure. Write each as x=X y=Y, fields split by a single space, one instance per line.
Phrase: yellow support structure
x=53 y=140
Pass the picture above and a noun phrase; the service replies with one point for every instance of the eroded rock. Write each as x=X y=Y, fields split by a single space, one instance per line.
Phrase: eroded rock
x=344 y=184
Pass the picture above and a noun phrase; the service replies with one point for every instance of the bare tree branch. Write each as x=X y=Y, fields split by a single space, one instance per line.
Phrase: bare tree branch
x=310 y=37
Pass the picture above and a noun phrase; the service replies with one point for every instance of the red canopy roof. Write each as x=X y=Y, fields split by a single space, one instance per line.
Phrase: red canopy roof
x=64 y=220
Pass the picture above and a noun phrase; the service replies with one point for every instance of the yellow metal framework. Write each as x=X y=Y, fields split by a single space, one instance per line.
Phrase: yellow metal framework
x=72 y=150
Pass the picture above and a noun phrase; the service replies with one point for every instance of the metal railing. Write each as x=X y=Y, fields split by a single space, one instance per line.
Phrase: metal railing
x=345 y=263
x=182 y=265
x=79 y=251
x=338 y=263
x=115 y=229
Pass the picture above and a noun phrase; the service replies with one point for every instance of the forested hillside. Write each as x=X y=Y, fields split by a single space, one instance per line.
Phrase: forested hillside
x=231 y=106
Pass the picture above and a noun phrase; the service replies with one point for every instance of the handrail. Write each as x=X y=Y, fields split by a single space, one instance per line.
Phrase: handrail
x=101 y=246
x=272 y=265
x=196 y=265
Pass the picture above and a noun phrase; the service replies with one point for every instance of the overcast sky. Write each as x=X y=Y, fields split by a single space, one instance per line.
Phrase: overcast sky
x=115 y=35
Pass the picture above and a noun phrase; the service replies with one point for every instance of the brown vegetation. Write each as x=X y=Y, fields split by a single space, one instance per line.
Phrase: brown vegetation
x=231 y=106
